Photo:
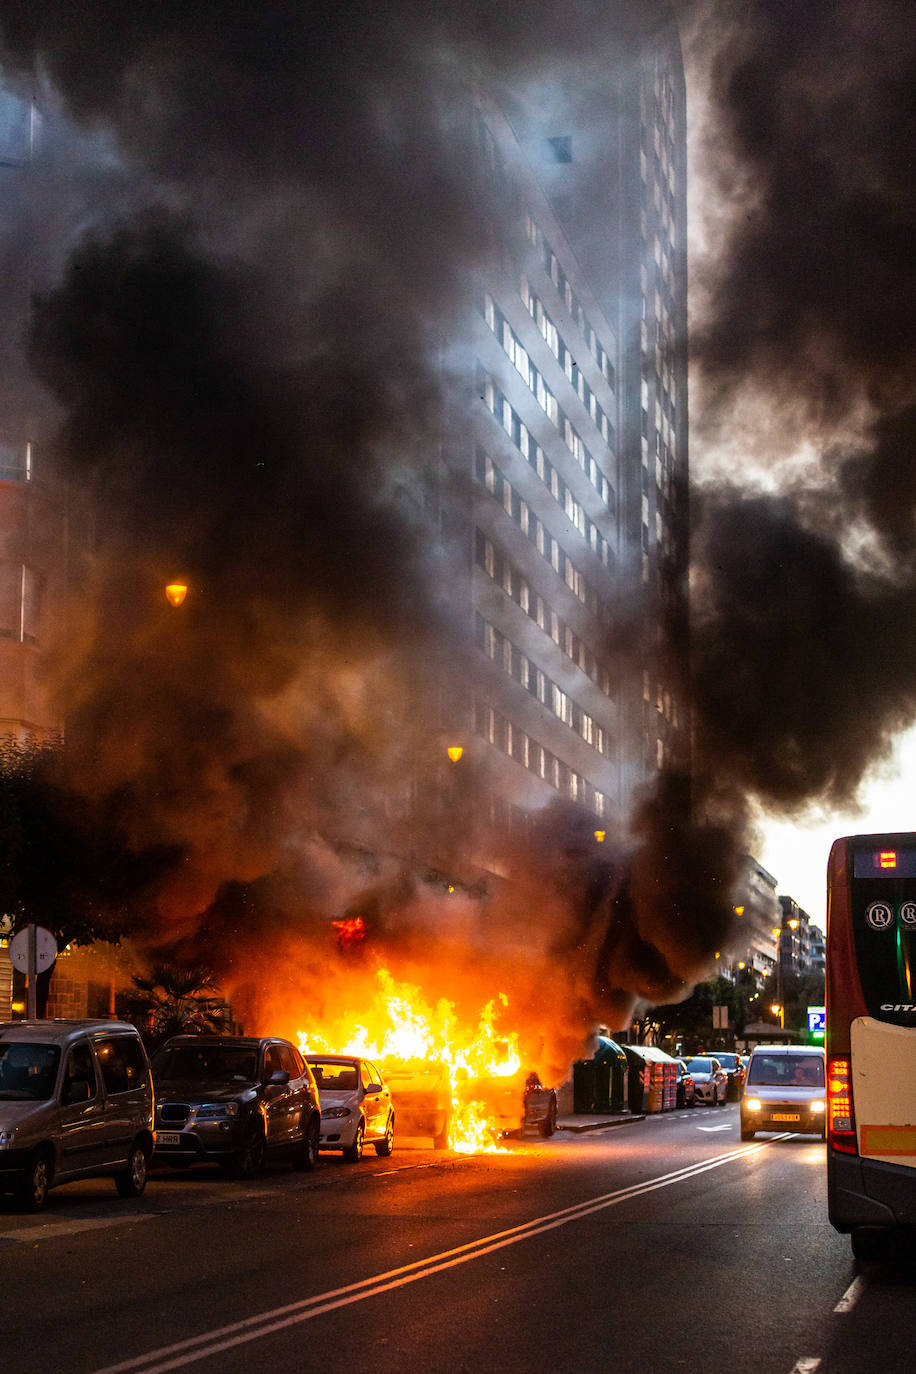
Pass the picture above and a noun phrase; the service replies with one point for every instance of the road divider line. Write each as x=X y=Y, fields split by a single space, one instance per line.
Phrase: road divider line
x=806 y=1365
x=265 y=1323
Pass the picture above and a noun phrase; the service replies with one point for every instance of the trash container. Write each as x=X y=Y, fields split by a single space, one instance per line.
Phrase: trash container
x=655 y=1072
x=591 y=1086
x=612 y=1055
x=638 y=1078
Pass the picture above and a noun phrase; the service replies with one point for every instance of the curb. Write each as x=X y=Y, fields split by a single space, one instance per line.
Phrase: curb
x=577 y=1128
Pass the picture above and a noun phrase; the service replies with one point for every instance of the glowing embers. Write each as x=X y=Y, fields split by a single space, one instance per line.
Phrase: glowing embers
x=350 y=931
x=478 y=1064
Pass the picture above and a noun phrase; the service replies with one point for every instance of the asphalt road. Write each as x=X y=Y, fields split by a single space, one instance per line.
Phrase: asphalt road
x=661 y=1245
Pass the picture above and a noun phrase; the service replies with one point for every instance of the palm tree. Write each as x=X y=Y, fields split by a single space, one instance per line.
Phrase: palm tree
x=176 y=1000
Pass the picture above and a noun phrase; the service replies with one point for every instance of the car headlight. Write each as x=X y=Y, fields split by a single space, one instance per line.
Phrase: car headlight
x=753 y=1104
x=215 y=1111
x=818 y=1105
x=335 y=1113
x=6 y=1139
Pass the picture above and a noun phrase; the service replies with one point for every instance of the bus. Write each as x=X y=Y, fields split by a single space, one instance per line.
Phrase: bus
x=871 y=1039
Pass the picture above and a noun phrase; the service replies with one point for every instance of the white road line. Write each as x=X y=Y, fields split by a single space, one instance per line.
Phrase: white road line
x=806 y=1365
x=53 y=1230
x=852 y=1295
x=710 y=1129
x=255 y=1328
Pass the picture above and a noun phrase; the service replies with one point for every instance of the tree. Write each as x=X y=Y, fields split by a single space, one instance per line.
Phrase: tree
x=64 y=862
x=173 y=1000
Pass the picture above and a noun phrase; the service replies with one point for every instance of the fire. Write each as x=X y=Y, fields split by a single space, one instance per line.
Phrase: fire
x=399 y=1027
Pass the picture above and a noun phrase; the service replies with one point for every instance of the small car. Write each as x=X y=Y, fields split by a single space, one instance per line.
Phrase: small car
x=686 y=1088
x=234 y=1100
x=421 y=1091
x=785 y=1091
x=709 y=1080
x=76 y=1101
x=735 y=1070
x=356 y=1107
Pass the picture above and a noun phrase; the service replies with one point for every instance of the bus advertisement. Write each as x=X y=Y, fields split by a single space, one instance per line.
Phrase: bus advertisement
x=871 y=1038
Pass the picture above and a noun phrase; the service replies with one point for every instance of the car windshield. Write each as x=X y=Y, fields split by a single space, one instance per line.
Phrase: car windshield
x=334 y=1076
x=699 y=1065
x=207 y=1063
x=28 y=1072
x=728 y=1061
x=786 y=1071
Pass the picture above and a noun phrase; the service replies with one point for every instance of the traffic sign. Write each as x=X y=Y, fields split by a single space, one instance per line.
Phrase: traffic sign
x=817 y=1021
x=45 y=949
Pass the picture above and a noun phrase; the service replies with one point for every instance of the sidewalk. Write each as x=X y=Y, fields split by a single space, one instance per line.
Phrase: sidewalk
x=596 y=1121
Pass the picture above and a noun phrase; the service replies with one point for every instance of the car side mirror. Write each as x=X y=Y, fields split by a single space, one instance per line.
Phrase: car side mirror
x=279 y=1078
x=79 y=1090
x=374 y=1088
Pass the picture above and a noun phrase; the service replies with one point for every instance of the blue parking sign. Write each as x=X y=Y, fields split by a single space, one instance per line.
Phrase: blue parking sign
x=817 y=1020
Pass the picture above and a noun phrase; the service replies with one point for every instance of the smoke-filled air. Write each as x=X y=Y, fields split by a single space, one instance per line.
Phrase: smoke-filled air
x=249 y=234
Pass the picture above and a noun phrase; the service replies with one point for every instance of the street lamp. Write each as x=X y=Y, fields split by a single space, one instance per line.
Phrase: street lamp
x=175 y=593
x=778 y=1010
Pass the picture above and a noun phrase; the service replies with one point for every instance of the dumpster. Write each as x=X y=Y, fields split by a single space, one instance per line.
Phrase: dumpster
x=653 y=1079
x=591 y=1086
x=611 y=1054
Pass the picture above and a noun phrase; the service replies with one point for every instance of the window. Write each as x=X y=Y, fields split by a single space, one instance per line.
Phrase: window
x=122 y=1063
x=80 y=1068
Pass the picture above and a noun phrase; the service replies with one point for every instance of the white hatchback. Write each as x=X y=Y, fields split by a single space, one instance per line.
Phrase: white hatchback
x=355 y=1103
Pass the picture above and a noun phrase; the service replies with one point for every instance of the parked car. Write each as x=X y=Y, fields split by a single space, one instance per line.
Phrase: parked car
x=686 y=1088
x=76 y=1101
x=356 y=1105
x=421 y=1092
x=234 y=1100
x=734 y=1068
x=785 y=1091
x=709 y=1080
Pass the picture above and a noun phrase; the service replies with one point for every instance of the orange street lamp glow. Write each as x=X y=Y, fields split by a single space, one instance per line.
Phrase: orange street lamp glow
x=175 y=593
x=454 y=752
x=600 y=836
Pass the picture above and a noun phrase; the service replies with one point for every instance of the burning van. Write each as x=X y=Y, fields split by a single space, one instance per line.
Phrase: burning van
x=421 y=1094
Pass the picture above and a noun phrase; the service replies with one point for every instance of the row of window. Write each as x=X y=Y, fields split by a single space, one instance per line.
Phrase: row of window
x=510 y=739
x=520 y=667
x=531 y=450
x=563 y=635
x=514 y=505
x=568 y=296
x=574 y=374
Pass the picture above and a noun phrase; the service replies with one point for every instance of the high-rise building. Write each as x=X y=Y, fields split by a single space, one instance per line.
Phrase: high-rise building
x=577 y=439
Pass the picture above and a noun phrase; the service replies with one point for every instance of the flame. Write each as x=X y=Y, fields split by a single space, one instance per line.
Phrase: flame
x=400 y=1025
x=351 y=930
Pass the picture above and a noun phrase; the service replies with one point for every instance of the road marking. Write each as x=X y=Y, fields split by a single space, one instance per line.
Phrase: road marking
x=806 y=1365
x=709 y=1129
x=53 y=1230
x=265 y=1323
x=851 y=1296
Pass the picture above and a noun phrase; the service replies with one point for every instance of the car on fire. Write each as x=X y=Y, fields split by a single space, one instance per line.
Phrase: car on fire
x=709 y=1079
x=234 y=1101
x=356 y=1106
x=421 y=1093
x=511 y=1103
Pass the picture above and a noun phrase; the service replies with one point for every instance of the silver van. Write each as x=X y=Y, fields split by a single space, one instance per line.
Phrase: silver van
x=76 y=1101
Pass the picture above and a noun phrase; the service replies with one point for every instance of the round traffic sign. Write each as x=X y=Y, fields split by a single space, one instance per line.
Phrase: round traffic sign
x=45 y=949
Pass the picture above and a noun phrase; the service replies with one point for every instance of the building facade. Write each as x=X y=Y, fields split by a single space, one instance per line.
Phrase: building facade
x=576 y=442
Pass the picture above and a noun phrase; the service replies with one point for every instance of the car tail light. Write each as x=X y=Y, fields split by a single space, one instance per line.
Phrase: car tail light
x=841 y=1124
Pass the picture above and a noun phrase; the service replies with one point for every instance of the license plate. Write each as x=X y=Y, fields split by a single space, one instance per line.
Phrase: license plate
x=786 y=1116
x=168 y=1138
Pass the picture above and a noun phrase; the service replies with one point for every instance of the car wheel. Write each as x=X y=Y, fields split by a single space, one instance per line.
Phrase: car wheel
x=248 y=1160
x=34 y=1184
x=719 y=1101
x=747 y=1133
x=306 y=1156
x=384 y=1147
x=130 y=1182
x=354 y=1153
x=693 y=1101
x=440 y=1141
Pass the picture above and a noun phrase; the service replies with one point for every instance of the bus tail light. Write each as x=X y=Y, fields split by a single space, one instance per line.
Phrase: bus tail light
x=841 y=1125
